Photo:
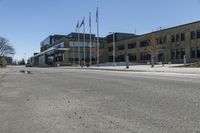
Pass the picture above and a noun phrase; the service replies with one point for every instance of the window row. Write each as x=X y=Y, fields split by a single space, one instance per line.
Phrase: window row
x=177 y=53
x=178 y=37
x=195 y=34
x=122 y=58
x=195 y=52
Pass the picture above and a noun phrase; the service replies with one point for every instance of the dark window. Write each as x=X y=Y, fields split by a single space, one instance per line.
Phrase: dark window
x=193 y=52
x=132 y=57
x=164 y=39
x=110 y=58
x=198 y=33
x=198 y=52
x=110 y=49
x=173 y=54
x=192 y=35
x=144 y=43
x=172 y=38
x=182 y=36
x=101 y=45
x=178 y=53
x=120 y=58
x=59 y=58
x=160 y=41
x=177 y=37
x=182 y=53
x=145 y=56
x=131 y=45
x=121 y=47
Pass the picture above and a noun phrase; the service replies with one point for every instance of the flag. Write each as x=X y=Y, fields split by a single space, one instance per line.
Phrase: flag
x=82 y=23
x=90 y=20
x=77 y=25
x=97 y=15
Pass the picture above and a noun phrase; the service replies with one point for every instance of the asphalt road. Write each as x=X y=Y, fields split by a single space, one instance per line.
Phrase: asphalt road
x=52 y=100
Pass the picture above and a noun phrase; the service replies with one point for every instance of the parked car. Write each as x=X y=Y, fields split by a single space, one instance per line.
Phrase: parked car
x=28 y=65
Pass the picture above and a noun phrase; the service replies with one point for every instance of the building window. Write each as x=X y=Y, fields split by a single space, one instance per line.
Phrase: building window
x=193 y=52
x=182 y=36
x=172 y=38
x=110 y=58
x=198 y=33
x=145 y=56
x=101 y=45
x=121 y=47
x=131 y=45
x=173 y=54
x=178 y=53
x=164 y=39
x=177 y=37
x=198 y=52
x=159 y=40
x=110 y=49
x=192 y=35
x=59 y=58
x=120 y=58
x=182 y=53
x=132 y=57
x=144 y=43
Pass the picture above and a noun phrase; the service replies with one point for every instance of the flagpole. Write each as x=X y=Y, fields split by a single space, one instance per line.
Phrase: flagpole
x=79 y=58
x=97 y=20
x=90 y=38
x=84 y=40
x=73 y=53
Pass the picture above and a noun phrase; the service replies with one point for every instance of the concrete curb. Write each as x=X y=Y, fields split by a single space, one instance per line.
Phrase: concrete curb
x=128 y=70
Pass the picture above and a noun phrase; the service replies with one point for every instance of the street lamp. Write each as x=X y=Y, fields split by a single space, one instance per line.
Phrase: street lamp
x=113 y=47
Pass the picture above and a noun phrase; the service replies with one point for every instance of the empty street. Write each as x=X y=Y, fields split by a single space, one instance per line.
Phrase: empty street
x=50 y=100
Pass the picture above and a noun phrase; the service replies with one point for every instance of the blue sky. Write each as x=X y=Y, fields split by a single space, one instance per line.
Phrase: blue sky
x=27 y=22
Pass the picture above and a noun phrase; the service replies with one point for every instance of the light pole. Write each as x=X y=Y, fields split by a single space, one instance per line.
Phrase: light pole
x=113 y=47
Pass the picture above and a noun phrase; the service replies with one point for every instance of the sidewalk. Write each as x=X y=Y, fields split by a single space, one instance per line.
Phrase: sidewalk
x=3 y=71
x=143 y=68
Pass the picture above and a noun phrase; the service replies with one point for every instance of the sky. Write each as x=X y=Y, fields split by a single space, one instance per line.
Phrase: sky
x=27 y=22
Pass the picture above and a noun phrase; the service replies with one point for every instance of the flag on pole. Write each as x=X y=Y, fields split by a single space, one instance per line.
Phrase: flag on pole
x=77 y=25
x=97 y=15
x=82 y=23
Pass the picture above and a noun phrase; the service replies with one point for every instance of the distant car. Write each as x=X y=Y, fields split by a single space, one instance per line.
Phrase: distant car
x=28 y=65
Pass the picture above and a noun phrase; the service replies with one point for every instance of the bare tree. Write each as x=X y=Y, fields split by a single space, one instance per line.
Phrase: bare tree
x=5 y=48
x=153 y=48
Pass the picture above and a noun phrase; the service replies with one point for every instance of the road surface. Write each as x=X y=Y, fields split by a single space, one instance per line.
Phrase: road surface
x=52 y=100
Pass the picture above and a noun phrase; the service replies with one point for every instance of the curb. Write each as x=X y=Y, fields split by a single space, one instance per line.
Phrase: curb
x=128 y=70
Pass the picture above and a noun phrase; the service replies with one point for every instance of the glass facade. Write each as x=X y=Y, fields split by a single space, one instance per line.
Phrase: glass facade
x=80 y=44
